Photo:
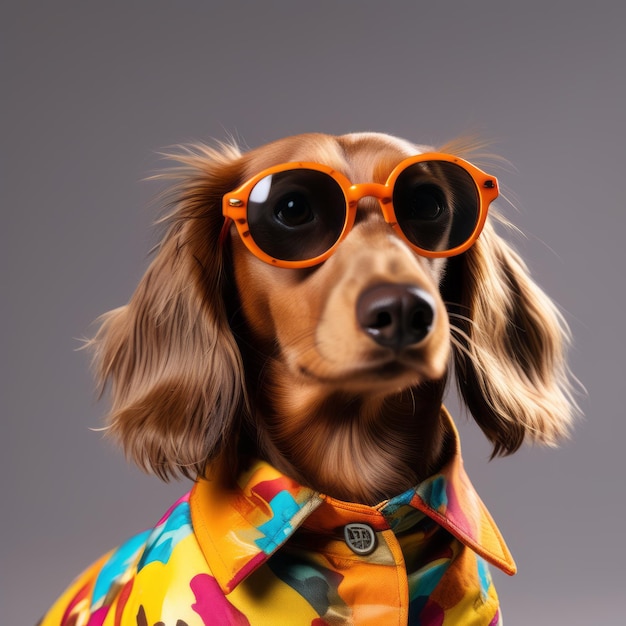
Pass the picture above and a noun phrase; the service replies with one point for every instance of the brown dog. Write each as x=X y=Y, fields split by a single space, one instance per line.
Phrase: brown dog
x=320 y=344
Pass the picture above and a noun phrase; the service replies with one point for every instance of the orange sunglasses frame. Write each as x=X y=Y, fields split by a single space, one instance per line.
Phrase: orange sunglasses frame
x=234 y=205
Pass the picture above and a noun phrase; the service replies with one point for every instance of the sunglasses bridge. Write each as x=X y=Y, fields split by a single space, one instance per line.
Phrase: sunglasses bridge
x=359 y=191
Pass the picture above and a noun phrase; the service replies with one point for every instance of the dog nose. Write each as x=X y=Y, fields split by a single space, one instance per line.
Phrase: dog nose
x=396 y=316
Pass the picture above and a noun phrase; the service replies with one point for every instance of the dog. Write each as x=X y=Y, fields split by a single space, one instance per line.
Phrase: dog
x=288 y=349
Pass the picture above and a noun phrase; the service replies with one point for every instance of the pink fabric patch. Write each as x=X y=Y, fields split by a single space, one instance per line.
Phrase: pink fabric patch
x=456 y=512
x=97 y=617
x=270 y=488
x=247 y=569
x=211 y=605
x=432 y=614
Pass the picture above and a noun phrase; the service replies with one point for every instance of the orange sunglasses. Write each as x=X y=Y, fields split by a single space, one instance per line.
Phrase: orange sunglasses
x=295 y=215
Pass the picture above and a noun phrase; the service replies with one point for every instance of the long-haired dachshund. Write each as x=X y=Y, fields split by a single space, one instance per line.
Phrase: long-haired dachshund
x=288 y=349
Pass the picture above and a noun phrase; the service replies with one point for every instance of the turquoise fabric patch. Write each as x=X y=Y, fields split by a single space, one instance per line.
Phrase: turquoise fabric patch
x=117 y=565
x=434 y=493
x=277 y=529
x=164 y=538
x=484 y=576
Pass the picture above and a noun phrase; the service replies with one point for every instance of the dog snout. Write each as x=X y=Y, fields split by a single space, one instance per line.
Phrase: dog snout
x=396 y=316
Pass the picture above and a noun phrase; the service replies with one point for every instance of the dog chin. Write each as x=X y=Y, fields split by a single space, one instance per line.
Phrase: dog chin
x=393 y=375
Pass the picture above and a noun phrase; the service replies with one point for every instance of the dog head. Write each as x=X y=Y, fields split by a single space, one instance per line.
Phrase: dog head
x=220 y=350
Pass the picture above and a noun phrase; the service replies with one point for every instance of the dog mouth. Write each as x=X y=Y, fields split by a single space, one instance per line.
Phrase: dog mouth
x=390 y=370
x=399 y=372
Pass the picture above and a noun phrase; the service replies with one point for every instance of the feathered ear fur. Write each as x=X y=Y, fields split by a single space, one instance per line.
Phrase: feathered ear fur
x=509 y=347
x=173 y=365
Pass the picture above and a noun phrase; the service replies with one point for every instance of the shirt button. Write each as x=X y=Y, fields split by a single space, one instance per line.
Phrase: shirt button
x=361 y=538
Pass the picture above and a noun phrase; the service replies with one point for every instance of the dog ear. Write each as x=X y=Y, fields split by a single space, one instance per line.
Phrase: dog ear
x=174 y=369
x=509 y=344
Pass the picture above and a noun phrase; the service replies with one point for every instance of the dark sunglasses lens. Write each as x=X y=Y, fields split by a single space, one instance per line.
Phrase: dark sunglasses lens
x=436 y=205
x=296 y=215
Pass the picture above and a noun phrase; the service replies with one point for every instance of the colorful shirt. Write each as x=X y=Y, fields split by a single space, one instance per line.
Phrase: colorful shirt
x=272 y=552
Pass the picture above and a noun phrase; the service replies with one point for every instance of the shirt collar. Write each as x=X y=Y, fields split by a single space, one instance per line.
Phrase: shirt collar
x=239 y=529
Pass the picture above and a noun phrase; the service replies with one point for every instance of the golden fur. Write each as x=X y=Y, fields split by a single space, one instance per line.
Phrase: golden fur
x=219 y=356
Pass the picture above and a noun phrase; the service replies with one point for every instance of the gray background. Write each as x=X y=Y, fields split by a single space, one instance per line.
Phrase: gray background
x=92 y=91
